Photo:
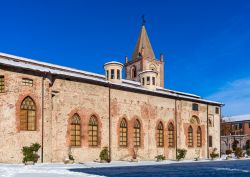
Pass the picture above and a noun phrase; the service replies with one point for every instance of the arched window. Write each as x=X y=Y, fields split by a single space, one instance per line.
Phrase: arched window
x=160 y=135
x=28 y=115
x=133 y=72
x=123 y=133
x=195 y=120
x=1 y=84
x=93 y=131
x=137 y=133
x=75 y=131
x=190 y=136
x=170 y=135
x=152 y=67
x=199 y=140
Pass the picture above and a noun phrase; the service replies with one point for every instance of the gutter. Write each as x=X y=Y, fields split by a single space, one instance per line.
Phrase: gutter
x=207 y=135
x=42 y=149
x=176 y=136
x=220 y=131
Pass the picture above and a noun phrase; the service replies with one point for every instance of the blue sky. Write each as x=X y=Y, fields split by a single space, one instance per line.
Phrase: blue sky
x=206 y=43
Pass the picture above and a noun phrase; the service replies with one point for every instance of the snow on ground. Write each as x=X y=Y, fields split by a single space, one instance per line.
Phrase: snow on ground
x=41 y=170
x=62 y=170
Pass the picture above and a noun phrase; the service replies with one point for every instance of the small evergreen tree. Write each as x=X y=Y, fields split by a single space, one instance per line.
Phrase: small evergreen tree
x=104 y=154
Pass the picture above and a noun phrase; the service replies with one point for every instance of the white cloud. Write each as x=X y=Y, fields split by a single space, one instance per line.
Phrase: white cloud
x=236 y=97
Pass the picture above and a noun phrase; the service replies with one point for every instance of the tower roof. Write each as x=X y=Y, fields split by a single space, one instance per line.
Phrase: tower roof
x=143 y=46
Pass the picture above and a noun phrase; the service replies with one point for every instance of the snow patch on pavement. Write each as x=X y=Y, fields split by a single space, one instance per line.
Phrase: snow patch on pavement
x=232 y=169
x=41 y=170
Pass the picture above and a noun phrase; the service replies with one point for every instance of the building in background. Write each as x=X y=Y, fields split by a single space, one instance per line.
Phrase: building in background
x=68 y=110
x=235 y=132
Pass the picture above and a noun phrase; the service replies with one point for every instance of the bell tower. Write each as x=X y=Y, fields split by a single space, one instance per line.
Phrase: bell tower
x=143 y=59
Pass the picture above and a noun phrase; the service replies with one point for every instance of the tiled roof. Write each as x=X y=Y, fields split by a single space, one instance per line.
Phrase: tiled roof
x=143 y=41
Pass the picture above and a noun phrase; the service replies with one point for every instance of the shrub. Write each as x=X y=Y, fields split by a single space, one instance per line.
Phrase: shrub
x=181 y=153
x=238 y=152
x=160 y=157
x=30 y=153
x=135 y=153
x=228 y=151
x=104 y=154
x=235 y=144
x=248 y=152
x=71 y=157
x=214 y=154
x=36 y=147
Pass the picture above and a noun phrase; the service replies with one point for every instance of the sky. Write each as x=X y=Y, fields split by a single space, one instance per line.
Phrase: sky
x=206 y=43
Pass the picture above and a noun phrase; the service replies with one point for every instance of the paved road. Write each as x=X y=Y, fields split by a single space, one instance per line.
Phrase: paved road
x=238 y=168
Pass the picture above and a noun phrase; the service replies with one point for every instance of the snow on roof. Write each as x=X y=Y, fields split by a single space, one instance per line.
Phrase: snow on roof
x=48 y=70
x=131 y=82
x=237 y=118
x=44 y=64
x=181 y=93
x=15 y=61
x=113 y=62
x=148 y=71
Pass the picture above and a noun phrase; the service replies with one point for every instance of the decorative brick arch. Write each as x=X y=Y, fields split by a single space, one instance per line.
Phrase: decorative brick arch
x=152 y=67
x=131 y=134
x=156 y=133
x=195 y=122
x=99 y=129
x=35 y=99
x=133 y=72
x=118 y=131
x=198 y=128
x=70 y=115
x=193 y=135
x=174 y=133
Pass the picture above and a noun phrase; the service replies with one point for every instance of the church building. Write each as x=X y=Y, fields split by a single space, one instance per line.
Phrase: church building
x=69 y=110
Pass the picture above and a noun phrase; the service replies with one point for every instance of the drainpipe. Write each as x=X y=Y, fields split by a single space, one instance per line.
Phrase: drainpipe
x=176 y=130
x=43 y=78
x=110 y=122
x=207 y=135
x=220 y=131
